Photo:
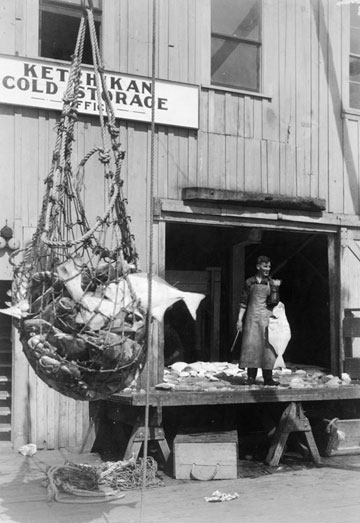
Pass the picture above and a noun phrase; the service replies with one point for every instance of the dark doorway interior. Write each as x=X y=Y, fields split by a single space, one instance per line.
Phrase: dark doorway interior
x=300 y=260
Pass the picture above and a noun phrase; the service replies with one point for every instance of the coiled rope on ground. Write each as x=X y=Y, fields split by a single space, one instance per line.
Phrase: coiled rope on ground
x=97 y=484
x=129 y=477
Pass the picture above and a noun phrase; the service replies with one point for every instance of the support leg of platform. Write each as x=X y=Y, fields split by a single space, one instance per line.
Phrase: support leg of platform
x=90 y=435
x=137 y=438
x=155 y=433
x=294 y=420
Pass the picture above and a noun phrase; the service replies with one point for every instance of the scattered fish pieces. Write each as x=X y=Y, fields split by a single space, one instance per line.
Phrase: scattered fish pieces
x=218 y=496
x=297 y=383
x=333 y=382
x=345 y=378
x=28 y=450
x=212 y=378
x=216 y=376
x=178 y=366
x=184 y=374
x=165 y=386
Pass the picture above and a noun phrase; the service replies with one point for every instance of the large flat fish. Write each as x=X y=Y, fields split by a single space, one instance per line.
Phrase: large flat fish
x=163 y=294
x=97 y=310
x=279 y=333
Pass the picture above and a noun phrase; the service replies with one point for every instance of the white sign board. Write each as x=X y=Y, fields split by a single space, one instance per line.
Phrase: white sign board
x=40 y=83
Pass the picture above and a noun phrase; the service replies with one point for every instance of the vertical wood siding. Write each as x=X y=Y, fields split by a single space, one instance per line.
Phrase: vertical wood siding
x=54 y=420
x=296 y=143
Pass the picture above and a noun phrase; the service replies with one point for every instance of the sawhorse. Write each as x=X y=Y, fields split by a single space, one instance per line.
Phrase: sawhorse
x=134 y=417
x=293 y=419
x=155 y=433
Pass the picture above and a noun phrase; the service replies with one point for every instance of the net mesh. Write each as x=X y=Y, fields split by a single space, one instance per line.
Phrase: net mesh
x=81 y=326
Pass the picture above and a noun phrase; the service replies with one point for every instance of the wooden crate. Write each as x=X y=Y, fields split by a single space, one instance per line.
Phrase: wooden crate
x=206 y=456
x=344 y=437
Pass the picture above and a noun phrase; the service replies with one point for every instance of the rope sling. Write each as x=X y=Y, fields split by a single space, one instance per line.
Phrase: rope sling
x=81 y=326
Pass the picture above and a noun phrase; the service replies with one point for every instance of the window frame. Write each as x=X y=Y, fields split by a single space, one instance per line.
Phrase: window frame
x=241 y=40
x=350 y=56
x=66 y=9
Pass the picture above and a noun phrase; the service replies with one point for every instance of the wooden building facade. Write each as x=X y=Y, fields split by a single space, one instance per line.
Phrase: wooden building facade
x=272 y=167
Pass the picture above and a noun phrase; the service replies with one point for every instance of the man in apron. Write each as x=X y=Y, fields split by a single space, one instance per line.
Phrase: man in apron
x=260 y=295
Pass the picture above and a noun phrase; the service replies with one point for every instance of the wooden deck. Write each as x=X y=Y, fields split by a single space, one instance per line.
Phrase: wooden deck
x=242 y=395
x=125 y=407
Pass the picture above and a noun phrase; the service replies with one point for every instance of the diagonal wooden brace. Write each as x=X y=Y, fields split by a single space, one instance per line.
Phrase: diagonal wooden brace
x=293 y=419
x=155 y=433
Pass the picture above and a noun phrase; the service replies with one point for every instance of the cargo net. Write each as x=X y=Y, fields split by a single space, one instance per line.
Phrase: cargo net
x=81 y=326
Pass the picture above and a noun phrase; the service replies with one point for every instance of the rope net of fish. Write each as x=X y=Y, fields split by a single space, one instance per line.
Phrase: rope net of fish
x=98 y=482
x=81 y=326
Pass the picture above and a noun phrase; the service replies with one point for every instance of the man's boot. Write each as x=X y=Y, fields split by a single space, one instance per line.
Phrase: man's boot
x=268 y=379
x=251 y=372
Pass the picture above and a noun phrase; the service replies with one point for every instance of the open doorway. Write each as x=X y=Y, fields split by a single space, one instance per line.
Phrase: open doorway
x=299 y=259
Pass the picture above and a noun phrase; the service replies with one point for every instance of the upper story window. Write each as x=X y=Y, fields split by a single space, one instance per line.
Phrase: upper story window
x=354 y=71
x=59 y=25
x=236 y=44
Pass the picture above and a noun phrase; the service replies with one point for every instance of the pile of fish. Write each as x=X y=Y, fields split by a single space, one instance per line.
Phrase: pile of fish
x=87 y=339
x=222 y=376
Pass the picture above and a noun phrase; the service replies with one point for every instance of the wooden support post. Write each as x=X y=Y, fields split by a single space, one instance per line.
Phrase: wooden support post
x=237 y=276
x=293 y=419
x=155 y=433
x=215 y=289
x=137 y=438
x=89 y=439
x=90 y=436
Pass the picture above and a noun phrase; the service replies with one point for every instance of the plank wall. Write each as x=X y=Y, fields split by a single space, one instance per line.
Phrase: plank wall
x=292 y=139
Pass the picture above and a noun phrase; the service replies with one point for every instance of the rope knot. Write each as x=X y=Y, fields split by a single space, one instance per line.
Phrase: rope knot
x=67 y=99
x=113 y=130
x=100 y=220
x=73 y=113
x=104 y=156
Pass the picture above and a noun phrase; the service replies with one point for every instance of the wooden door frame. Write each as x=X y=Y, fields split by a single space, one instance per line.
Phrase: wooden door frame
x=172 y=214
x=335 y=304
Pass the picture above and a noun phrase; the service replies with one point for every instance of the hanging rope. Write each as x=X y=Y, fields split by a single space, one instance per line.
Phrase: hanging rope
x=81 y=325
x=151 y=239
x=84 y=329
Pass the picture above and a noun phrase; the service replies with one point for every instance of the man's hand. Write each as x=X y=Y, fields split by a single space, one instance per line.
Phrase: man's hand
x=239 y=323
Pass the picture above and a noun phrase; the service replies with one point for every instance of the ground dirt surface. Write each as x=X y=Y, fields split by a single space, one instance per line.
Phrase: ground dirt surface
x=300 y=492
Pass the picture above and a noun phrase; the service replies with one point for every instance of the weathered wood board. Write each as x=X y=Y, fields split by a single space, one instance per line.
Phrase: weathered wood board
x=206 y=456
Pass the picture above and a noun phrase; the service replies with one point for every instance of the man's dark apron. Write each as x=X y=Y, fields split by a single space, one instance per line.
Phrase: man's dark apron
x=255 y=348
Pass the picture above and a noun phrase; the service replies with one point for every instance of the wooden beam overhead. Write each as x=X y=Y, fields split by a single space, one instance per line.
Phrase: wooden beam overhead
x=250 y=199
